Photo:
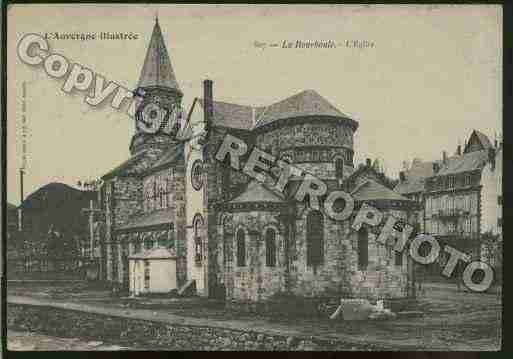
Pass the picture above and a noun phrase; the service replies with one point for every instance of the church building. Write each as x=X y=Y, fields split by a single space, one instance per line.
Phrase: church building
x=231 y=236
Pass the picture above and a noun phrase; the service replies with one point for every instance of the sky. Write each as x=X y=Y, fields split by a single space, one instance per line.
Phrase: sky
x=433 y=75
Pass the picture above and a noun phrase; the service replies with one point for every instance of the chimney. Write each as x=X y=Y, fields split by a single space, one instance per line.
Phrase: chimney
x=491 y=157
x=458 y=150
x=208 y=103
x=368 y=162
x=444 y=157
x=402 y=178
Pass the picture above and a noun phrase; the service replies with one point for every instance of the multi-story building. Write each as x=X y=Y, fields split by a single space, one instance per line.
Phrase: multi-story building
x=453 y=196
x=412 y=181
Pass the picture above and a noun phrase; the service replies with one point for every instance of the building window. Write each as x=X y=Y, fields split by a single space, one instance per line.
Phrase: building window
x=339 y=168
x=197 y=225
x=197 y=175
x=398 y=258
x=226 y=249
x=241 y=248
x=146 y=274
x=270 y=248
x=468 y=180
x=314 y=238
x=363 y=249
x=450 y=180
x=499 y=222
x=137 y=247
x=148 y=244
x=499 y=200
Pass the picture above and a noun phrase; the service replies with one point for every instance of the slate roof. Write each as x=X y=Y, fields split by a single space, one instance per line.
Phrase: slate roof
x=305 y=103
x=173 y=155
x=149 y=219
x=232 y=115
x=415 y=177
x=362 y=169
x=125 y=166
x=157 y=69
x=256 y=192
x=485 y=141
x=372 y=190
x=155 y=253
x=466 y=162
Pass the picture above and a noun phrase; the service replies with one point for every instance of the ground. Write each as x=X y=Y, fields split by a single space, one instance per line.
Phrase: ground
x=34 y=341
x=452 y=319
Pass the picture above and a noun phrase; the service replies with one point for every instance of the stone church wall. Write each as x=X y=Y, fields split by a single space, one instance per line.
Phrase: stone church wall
x=255 y=281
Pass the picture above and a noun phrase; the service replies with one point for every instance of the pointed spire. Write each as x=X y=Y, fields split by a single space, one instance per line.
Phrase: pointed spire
x=157 y=69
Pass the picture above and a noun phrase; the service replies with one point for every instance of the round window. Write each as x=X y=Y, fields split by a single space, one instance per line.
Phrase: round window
x=197 y=175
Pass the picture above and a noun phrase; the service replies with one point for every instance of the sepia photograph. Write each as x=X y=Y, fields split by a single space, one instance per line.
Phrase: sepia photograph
x=201 y=177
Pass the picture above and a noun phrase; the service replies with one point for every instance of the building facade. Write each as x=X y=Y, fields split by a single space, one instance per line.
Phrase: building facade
x=233 y=237
x=461 y=195
x=491 y=211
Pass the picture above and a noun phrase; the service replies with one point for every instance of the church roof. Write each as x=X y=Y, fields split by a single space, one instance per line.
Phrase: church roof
x=155 y=253
x=157 y=69
x=372 y=190
x=232 y=115
x=173 y=155
x=125 y=166
x=303 y=104
x=155 y=218
x=257 y=192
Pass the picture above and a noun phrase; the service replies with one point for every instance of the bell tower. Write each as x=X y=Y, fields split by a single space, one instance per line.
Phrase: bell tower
x=158 y=115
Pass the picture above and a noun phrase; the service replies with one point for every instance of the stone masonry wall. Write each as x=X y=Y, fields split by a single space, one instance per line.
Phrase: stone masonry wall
x=331 y=278
x=255 y=281
x=128 y=194
x=158 y=335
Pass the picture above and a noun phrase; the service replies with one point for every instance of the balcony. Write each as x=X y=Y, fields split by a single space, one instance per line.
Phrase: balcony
x=450 y=214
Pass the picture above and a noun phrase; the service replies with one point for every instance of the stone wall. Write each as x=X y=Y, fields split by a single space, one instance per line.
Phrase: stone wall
x=316 y=133
x=337 y=276
x=128 y=197
x=160 y=336
x=255 y=281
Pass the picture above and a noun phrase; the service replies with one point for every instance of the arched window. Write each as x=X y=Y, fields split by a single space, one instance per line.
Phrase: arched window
x=398 y=258
x=339 y=168
x=241 y=248
x=363 y=249
x=270 y=248
x=197 y=225
x=314 y=238
x=227 y=247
